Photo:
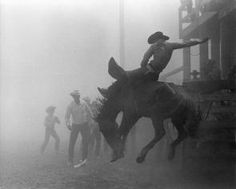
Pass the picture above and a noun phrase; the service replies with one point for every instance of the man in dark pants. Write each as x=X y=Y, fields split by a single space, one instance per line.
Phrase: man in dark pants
x=77 y=113
x=95 y=132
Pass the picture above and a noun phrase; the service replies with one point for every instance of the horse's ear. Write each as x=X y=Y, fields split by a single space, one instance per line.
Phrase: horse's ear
x=101 y=92
x=112 y=61
x=115 y=70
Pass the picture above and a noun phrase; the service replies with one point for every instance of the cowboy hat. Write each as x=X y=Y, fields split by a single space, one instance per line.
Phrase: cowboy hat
x=75 y=93
x=156 y=36
x=50 y=109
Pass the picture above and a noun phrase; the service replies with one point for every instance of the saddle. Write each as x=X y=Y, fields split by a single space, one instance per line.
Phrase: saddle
x=136 y=77
x=119 y=73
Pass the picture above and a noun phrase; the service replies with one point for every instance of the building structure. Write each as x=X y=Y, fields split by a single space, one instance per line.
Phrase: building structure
x=215 y=19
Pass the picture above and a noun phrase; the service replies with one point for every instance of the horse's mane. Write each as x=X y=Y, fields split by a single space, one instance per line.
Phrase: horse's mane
x=101 y=109
x=106 y=102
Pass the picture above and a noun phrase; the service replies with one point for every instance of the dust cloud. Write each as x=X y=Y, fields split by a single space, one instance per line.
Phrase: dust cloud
x=49 y=49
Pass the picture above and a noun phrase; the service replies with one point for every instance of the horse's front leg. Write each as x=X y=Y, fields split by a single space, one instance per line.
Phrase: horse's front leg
x=128 y=121
x=159 y=133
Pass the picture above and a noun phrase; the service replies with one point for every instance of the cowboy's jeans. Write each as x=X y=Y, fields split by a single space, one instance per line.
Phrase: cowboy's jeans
x=142 y=73
x=83 y=129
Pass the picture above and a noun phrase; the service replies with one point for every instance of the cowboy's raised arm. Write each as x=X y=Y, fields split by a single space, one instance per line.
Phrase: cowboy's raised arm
x=188 y=44
x=146 y=57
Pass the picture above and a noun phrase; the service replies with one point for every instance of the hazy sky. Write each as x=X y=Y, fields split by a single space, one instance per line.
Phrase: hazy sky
x=51 y=47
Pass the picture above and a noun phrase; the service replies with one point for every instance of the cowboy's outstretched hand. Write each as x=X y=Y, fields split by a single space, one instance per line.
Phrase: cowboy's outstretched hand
x=204 y=40
x=69 y=127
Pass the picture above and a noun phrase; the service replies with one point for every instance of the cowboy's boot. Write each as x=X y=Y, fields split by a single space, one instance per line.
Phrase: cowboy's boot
x=104 y=92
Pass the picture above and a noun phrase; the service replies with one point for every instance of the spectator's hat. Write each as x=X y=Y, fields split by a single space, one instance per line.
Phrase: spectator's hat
x=75 y=93
x=50 y=109
x=156 y=36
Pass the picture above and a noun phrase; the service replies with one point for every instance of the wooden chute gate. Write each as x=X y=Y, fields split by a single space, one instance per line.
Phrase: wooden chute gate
x=213 y=153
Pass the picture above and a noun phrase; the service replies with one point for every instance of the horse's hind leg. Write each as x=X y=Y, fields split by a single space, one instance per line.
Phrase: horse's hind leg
x=182 y=134
x=159 y=133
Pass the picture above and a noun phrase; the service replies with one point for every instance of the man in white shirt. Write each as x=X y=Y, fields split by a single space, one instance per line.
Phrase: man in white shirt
x=77 y=118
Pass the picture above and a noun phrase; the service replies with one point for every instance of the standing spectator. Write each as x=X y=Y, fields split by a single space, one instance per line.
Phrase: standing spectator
x=232 y=73
x=188 y=6
x=212 y=71
x=49 y=124
x=95 y=132
x=77 y=118
x=92 y=124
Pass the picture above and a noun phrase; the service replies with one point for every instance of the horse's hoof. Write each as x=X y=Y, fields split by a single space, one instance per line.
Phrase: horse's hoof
x=171 y=156
x=113 y=160
x=122 y=155
x=116 y=157
x=140 y=159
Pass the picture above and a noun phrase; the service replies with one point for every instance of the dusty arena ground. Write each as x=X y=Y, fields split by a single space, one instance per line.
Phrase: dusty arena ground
x=22 y=167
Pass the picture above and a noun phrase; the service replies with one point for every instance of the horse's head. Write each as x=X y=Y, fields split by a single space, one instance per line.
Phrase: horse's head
x=109 y=129
x=106 y=120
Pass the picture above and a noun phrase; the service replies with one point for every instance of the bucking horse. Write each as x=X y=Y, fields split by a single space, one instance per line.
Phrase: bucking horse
x=145 y=98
